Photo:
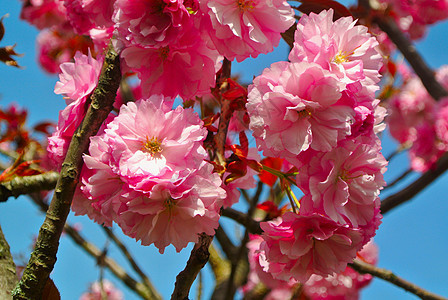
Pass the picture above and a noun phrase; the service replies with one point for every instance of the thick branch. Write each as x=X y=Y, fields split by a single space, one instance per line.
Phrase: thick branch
x=43 y=257
x=388 y=25
x=8 y=277
x=200 y=254
x=198 y=258
x=27 y=185
x=387 y=275
x=251 y=225
x=414 y=188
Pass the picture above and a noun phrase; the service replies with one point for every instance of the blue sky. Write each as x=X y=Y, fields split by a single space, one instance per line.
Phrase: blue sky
x=412 y=239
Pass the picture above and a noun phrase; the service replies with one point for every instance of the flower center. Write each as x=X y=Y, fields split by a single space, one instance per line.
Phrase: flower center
x=152 y=146
x=341 y=57
x=304 y=113
x=170 y=204
x=245 y=5
x=163 y=52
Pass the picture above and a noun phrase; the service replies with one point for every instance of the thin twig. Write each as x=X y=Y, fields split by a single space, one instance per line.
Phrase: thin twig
x=387 y=275
x=27 y=185
x=415 y=187
x=129 y=257
x=231 y=288
x=111 y=264
x=398 y=179
x=43 y=257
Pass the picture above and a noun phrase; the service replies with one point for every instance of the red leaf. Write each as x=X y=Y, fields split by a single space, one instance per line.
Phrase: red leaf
x=271 y=209
x=392 y=68
x=316 y=6
x=237 y=169
x=235 y=91
x=44 y=127
x=274 y=163
x=244 y=143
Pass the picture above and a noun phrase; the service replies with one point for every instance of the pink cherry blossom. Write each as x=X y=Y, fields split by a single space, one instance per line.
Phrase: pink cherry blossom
x=43 y=13
x=87 y=14
x=186 y=68
x=58 y=45
x=149 y=176
x=175 y=213
x=101 y=194
x=152 y=23
x=344 y=285
x=77 y=81
x=347 y=50
x=104 y=290
x=441 y=120
x=409 y=109
x=298 y=246
x=294 y=106
x=244 y=28
x=166 y=147
x=426 y=149
x=258 y=275
x=344 y=183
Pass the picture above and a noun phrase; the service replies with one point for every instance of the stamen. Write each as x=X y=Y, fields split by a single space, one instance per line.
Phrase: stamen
x=152 y=146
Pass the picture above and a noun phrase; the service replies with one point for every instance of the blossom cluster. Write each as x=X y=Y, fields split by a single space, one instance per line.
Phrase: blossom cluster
x=318 y=112
x=147 y=169
x=149 y=176
x=418 y=122
x=343 y=285
x=175 y=47
x=413 y=16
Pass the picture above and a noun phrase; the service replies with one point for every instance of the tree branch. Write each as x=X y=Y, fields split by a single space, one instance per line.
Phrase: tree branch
x=130 y=259
x=27 y=185
x=111 y=264
x=8 y=277
x=199 y=255
x=388 y=25
x=139 y=288
x=198 y=258
x=398 y=179
x=252 y=225
x=414 y=188
x=43 y=257
x=387 y=275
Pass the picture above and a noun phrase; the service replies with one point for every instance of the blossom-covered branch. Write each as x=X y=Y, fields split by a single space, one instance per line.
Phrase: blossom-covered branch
x=387 y=275
x=415 y=187
x=43 y=257
x=386 y=24
x=28 y=184
x=8 y=277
